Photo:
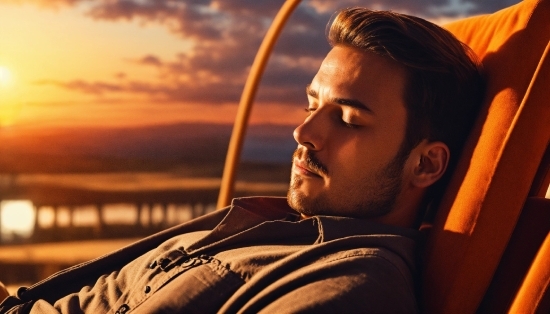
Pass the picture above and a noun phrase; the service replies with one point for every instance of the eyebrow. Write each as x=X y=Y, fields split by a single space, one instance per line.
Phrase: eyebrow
x=354 y=103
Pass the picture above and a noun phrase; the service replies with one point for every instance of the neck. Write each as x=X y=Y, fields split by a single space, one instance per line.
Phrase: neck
x=405 y=210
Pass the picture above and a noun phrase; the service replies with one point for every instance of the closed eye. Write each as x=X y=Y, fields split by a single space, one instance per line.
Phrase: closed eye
x=350 y=125
x=309 y=110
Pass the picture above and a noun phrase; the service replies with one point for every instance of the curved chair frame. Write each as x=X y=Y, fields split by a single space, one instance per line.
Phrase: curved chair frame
x=247 y=100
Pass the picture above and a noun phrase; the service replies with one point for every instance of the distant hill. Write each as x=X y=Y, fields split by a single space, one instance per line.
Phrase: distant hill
x=158 y=147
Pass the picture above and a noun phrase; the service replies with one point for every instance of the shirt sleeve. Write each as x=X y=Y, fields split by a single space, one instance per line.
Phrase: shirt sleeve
x=367 y=284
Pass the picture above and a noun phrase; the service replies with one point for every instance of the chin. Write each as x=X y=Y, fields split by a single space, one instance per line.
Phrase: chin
x=304 y=205
x=295 y=199
x=298 y=201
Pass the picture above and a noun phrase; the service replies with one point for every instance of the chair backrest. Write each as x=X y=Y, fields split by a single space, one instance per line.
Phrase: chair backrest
x=526 y=244
x=483 y=203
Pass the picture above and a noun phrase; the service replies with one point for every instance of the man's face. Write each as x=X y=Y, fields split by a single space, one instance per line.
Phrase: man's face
x=348 y=161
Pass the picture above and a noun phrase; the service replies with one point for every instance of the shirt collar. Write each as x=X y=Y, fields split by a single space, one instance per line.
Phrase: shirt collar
x=331 y=227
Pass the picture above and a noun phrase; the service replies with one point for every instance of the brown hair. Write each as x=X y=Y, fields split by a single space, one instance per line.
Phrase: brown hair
x=444 y=84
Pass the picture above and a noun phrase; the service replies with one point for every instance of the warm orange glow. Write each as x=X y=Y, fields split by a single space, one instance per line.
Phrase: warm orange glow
x=17 y=217
x=39 y=50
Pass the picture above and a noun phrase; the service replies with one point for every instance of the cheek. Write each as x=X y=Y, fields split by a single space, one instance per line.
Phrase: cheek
x=392 y=133
x=354 y=156
x=360 y=156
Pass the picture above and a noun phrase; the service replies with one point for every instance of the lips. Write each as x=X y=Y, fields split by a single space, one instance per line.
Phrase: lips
x=301 y=168
x=306 y=164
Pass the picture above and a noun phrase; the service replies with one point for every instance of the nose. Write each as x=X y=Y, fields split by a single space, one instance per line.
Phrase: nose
x=312 y=132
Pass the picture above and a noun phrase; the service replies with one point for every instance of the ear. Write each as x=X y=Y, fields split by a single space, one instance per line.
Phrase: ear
x=431 y=163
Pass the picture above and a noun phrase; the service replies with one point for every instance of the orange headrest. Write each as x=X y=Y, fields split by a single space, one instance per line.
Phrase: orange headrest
x=480 y=208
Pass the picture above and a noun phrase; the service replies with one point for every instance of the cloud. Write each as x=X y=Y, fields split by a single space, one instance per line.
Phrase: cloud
x=215 y=92
x=97 y=88
x=482 y=7
x=424 y=8
x=226 y=36
x=150 y=60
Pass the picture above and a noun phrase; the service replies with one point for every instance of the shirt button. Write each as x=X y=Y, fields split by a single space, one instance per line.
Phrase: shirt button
x=21 y=291
x=164 y=262
x=189 y=262
x=123 y=309
x=147 y=289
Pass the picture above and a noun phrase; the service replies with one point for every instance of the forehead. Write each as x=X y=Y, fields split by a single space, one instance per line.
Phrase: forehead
x=352 y=73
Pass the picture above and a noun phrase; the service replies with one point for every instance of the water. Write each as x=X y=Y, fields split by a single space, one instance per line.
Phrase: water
x=19 y=218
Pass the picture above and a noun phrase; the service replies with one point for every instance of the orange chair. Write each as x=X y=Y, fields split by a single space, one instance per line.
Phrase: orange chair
x=476 y=258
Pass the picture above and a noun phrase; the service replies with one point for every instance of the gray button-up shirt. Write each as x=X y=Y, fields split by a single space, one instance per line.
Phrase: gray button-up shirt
x=255 y=256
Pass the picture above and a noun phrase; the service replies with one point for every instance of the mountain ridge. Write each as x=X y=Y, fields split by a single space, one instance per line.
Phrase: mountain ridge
x=145 y=147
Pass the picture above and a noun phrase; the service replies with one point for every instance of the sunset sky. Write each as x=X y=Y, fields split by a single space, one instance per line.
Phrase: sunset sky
x=123 y=63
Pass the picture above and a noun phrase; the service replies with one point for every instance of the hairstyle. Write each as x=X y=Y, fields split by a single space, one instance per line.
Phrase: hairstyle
x=444 y=87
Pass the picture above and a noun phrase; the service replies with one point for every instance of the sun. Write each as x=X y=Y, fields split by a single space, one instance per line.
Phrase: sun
x=10 y=104
x=5 y=76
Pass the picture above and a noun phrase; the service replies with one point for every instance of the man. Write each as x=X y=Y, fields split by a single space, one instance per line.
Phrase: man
x=388 y=112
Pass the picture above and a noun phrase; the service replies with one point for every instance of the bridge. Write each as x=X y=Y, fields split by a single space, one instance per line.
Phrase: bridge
x=155 y=206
